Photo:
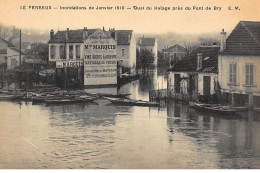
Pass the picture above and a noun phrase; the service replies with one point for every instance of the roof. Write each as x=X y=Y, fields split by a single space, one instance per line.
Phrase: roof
x=3 y=51
x=7 y=42
x=209 y=61
x=15 y=49
x=175 y=48
x=123 y=36
x=24 y=45
x=146 y=41
x=76 y=36
x=244 y=39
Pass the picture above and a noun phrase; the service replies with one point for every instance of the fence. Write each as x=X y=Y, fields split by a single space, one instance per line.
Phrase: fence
x=165 y=94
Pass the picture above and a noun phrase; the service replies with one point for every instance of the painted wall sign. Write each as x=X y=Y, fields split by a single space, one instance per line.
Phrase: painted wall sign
x=100 y=62
x=69 y=63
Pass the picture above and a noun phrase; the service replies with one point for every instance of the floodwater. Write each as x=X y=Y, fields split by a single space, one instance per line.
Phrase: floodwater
x=103 y=135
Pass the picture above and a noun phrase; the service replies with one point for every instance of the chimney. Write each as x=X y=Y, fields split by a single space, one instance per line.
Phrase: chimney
x=85 y=33
x=103 y=28
x=52 y=34
x=129 y=38
x=140 y=41
x=115 y=35
x=199 y=61
x=67 y=34
x=223 y=40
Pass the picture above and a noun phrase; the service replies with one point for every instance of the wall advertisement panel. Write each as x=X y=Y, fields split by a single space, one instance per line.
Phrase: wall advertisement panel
x=100 y=63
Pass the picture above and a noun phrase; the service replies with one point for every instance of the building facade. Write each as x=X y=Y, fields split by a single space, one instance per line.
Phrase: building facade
x=149 y=44
x=9 y=56
x=82 y=55
x=195 y=76
x=126 y=47
x=69 y=45
x=13 y=58
x=239 y=62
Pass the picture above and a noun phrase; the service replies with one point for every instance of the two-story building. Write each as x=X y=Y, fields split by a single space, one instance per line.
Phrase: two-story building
x=149 y=44
x=68 y=45
x=239 y=64
x=90 y=52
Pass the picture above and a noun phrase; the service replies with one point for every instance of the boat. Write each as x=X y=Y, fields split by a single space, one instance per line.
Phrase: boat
x=5 y=97
x=217 y=109
x=131 y=102
x=107 y=95
x=69 y=100
x=41 y=99
x=238 y=108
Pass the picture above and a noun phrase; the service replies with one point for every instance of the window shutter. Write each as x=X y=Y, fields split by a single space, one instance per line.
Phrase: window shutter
x=251 y=74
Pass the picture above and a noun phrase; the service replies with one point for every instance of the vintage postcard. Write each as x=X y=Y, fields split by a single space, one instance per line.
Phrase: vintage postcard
x=129 y=84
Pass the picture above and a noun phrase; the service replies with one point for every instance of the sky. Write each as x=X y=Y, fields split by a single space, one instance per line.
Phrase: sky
x=141 y=21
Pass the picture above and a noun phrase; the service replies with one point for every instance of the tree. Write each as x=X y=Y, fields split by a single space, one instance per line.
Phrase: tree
x=191 y=46
x=3 y=32
x=208 y=41
x=9 y=33
x=146 y=58
x=14 y=34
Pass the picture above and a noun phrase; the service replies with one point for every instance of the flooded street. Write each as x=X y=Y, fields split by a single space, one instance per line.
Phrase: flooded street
x=102 y=135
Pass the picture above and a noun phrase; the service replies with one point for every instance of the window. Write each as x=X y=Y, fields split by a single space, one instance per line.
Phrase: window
x=71 y=52
x=177 y=83
x=77 y=52
x=62 y=56
x=199 y=61
x=232 y=73
x=249 y=74
x=123 y=52
x=52 y=52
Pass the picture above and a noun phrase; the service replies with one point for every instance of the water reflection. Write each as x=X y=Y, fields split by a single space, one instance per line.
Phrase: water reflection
x=234 y=140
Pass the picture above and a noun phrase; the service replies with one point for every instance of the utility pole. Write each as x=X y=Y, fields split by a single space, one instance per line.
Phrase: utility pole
x=20 y=56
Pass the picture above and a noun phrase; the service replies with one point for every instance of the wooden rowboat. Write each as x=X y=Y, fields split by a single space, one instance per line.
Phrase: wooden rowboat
x=4 y=97
x=217 y=109
x=41 y=99
x=69 y=101
x=131 y=102
x=108 y=95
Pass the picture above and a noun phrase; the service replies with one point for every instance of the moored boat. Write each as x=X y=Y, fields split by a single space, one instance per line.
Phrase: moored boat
x=131 y=102
x=69 y=100
x=107 y=95
x=4 y=97
x=40 y=99
x=217 y=109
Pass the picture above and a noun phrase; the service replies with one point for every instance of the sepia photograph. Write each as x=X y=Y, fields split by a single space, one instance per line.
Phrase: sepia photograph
x=129 y=84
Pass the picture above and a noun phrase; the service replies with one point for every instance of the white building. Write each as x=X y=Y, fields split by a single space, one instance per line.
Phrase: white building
x=239 y=64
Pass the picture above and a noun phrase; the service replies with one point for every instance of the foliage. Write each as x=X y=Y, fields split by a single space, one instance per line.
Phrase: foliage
x=9 y=33
x=146 y=58
x=39 y=50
